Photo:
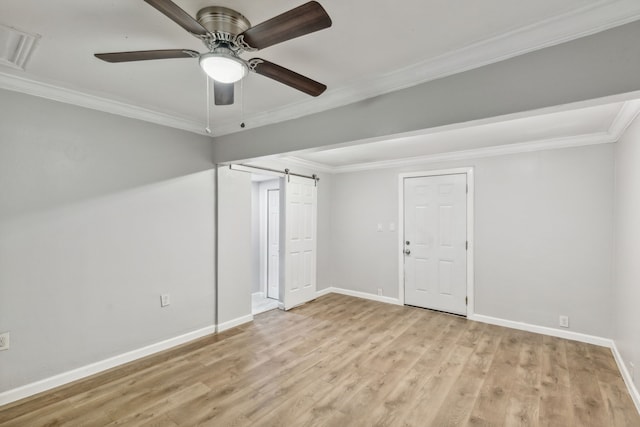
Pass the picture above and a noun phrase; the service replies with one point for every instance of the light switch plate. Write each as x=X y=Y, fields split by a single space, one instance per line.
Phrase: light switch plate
x=164 y=300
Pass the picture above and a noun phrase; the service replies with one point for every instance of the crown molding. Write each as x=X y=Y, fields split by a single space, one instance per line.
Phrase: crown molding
x=628 y=112
x=500 y=150
x=581 y=22
x=82 y=99
x=308 y=164
x=590 y=19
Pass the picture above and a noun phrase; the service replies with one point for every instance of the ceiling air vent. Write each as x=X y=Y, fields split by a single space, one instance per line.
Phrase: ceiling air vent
x=15 y=47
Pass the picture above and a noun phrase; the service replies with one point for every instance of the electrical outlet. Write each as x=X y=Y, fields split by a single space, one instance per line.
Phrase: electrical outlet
x=564 y=321
x=380 y=291
x=4 y=341
x=379 y=228
x=164 y=300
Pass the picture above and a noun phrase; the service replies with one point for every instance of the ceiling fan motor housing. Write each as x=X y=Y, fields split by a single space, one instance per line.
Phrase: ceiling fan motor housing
x=223 y=21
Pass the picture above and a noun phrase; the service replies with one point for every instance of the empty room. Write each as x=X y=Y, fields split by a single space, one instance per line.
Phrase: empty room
x=328 y=213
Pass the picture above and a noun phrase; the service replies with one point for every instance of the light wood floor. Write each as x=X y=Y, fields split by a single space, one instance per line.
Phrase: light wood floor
x=343 y=361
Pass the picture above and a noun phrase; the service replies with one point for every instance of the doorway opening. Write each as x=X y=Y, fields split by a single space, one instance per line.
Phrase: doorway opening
x=247 y=257
x=436 y=240
x=265 y=242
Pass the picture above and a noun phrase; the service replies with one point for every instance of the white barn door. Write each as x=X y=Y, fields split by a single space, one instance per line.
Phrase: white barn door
x=298 y=213
x=435 y=241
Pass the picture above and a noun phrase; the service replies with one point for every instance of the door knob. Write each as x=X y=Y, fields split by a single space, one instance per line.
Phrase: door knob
x=407 y=251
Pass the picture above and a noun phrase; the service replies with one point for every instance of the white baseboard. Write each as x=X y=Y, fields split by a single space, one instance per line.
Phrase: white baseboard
x=258 y=294
x=97 y=367
x=575 y=336
x=235 y=322
x=626 y=376
x=324 y=291
x=544 y=330
x=364 y=295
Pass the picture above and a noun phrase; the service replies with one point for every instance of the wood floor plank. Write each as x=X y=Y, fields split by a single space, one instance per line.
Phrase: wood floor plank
x=344 y=361
x=155 y=411
x=456 y=408
x=407 y=390
x=524 y=399
x=555 y=403
x=616 y=399
x=589 y=408
x=491 y=405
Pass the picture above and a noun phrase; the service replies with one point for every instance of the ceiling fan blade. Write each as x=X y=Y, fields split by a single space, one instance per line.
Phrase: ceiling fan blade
x=144 y=55
x=287 y=77
x=223 y=93
x=305 y=19
x=179 y=16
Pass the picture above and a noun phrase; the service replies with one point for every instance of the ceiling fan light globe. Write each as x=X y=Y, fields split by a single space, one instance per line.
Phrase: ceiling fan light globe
x=222 y=67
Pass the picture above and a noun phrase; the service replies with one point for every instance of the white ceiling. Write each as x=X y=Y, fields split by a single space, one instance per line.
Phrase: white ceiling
x=572 y=127
x=374 y=46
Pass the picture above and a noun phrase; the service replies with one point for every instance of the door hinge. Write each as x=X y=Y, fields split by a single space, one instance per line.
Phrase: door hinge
x=466 y=245
x=466 y=300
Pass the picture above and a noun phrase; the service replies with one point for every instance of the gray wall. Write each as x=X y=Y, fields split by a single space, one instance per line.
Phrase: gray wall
x=543 y=235
x=626 y=290
x=99 y=215
x=603 y=64
x=235 y=259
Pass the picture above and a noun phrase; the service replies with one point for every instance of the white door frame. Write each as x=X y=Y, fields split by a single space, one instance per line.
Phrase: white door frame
x=470 y=215
x=267 y=240
x=263 y=202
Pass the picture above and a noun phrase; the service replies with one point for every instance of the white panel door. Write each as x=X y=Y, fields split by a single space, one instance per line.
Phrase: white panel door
x=298 y=205
x=273 y=243
x=435 y=237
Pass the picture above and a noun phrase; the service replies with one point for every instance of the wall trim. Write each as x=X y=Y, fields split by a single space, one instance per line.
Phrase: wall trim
x=314 y=166
x=95 y=102
x=499 y=150
x=100 y=366
x=626 y=376
x=477 y=153
x=325 y=291
x=626 y=115
x=363 y=295
x=564 y=27
x=234 y=322
x=544 y=330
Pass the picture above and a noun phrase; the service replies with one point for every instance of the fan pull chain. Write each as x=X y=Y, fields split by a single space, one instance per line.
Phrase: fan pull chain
x=242 y=103
x=208 y=128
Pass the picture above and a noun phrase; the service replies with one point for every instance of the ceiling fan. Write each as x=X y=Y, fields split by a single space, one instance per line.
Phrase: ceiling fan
x=226 y=34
